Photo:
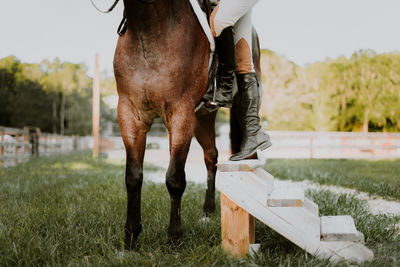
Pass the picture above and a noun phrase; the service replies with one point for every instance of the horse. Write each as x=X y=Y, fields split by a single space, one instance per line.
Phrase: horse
x=161 y=69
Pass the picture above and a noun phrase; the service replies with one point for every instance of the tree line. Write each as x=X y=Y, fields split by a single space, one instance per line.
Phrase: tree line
x=54 y=96
x=360 y=93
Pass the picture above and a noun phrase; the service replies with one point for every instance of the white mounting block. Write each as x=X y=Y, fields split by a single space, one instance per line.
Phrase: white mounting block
x=249 y=187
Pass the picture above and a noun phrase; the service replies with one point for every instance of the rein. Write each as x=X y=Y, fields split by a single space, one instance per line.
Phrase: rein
x=109 y=10
x=147 y=1
x=115 y=4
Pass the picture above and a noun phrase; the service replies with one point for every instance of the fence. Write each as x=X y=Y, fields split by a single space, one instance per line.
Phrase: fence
x=292 y=144
x=287 y=144
x=18 y=145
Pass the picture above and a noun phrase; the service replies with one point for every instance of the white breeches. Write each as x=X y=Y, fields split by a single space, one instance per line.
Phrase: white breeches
x=236 y=13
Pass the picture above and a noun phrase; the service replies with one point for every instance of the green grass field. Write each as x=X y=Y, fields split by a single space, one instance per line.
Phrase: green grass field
x=70 y=210
x=381 y=178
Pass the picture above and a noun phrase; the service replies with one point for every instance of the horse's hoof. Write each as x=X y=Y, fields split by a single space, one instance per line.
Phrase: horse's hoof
x=130 y=245
x=131 y=236
x=208 y=209
x=174 y=236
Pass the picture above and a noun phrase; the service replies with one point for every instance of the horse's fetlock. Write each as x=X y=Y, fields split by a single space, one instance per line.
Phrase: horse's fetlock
x=133 y=230
x=132 y=183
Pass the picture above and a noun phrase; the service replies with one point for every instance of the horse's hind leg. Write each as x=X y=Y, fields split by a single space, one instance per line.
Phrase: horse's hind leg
x=205 y=134
x=180 y=129
x=134 y=136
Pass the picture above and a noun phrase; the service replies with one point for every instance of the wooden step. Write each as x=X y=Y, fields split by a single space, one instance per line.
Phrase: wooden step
x=339 y=228
x=239 y=166
x=286 y=197
x=311 y=207
x=260 y=187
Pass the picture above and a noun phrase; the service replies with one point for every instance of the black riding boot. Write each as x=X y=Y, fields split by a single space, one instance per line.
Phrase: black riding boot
x=223 y=95
x=255 y=138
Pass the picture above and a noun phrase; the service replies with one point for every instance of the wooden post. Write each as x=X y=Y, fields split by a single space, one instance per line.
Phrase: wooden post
x=344 y=145
x=2 y=145
x=16 y=144
x=373 y=147
x=237 y=227
x=26 y=139
x=96 y=110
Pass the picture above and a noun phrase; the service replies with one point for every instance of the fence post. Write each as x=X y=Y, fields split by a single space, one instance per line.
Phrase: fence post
x=34 y=139
x=45 y=144
x=311 y=147
x=344 y=145
x=26 y=135
x=373 y=147
x=75 y=143
x=96 y=110
x=16 y=144
x=2 y=142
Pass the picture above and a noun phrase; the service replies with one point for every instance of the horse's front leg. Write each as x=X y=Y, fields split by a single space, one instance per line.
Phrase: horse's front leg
x=180 y=129
x=134 y=136
x=205 y=134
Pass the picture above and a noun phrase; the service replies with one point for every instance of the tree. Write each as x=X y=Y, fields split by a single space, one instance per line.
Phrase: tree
x=359 y=93
x=31 y=94
x=64 y=79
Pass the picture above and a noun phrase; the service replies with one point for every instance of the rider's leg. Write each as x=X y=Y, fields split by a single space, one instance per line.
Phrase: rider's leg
x=222 y=20
x=254 y=136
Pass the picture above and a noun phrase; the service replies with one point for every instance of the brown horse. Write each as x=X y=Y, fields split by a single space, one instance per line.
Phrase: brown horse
x=161 y=69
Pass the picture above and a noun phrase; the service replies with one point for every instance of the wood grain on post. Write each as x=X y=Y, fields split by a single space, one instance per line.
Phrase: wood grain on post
x=2 y=145
x=16 y=144
x=96 y=109
x=26 y=139
x=237 y=227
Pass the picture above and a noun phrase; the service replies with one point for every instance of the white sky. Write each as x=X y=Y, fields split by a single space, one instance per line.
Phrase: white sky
x=304 y=31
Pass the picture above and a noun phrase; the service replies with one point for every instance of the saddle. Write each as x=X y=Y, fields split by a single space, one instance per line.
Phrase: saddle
x=207 y=6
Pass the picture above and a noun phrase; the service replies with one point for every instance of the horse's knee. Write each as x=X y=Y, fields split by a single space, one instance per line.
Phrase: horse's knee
x=134 y=177
x=133 y=183
x=176 y=181
x=211 y=157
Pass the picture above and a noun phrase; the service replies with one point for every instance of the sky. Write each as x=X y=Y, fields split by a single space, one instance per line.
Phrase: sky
x=304 y=31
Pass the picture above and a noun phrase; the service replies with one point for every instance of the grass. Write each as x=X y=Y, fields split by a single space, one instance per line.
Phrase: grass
x=70 y=210
x=380 y=178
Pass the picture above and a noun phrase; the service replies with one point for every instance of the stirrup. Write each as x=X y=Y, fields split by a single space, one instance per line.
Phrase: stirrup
x=203 y=108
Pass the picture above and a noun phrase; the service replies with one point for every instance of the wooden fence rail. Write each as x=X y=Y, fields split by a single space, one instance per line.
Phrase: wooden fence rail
x=18 y=145
x=335 y=145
